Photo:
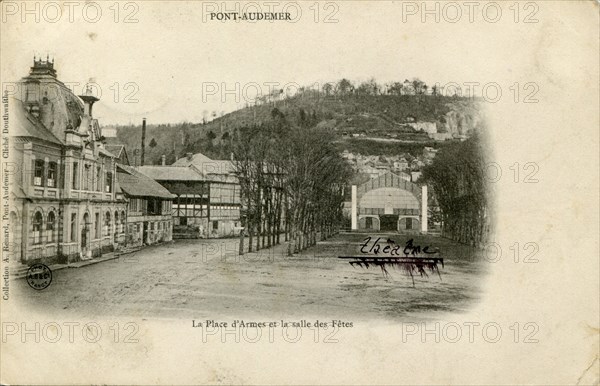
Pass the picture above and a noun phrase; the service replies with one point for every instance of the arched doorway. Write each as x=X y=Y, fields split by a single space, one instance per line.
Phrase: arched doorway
x=389 y=222
x=86 y=251
x=115 y=233
x=409 y=223
x=369 y=222
x=391 y=199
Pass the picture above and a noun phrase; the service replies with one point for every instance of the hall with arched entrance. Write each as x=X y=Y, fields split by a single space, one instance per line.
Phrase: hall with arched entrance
x=389 y=203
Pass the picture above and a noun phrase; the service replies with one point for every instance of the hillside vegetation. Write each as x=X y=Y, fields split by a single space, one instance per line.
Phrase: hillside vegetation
x=366 y=122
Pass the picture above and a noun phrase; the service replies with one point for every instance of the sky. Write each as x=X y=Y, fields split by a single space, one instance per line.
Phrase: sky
x=170 y=64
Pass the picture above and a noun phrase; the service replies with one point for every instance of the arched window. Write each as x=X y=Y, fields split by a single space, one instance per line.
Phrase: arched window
x=73 y=226
x=51 y=225
x=98 y=226
x=107 y=224
x=37 y=227
x=123 y=221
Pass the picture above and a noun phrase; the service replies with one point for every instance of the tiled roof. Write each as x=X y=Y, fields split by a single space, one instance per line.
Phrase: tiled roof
x=195 y=158
x=106 y=152
x=206 y=165
x=23 y=124
x=115 y=149
x=136 y=184
x=170 y=173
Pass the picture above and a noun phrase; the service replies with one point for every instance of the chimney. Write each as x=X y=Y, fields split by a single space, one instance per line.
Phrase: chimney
x=143 y=141
x=163 y=160
x=188 y=156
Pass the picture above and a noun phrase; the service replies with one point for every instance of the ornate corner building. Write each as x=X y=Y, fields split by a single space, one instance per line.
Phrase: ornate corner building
x=66 y=202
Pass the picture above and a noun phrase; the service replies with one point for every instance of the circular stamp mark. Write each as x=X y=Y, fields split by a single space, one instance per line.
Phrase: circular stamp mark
x=39 y=276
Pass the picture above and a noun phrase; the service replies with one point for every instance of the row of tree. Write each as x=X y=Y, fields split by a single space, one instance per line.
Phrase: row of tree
x=345 y=87
x=371 y=87
x=292 y=182
x=458 y=179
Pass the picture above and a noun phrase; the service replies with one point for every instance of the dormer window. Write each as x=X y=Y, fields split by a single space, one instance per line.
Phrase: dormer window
x=35 y=111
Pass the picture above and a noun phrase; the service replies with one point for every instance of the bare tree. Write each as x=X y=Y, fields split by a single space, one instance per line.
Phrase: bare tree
x=289 y=175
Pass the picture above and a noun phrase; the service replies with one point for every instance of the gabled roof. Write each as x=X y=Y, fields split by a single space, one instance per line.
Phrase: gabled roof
x=136 y=184
x=206 y=165
x=23 y=124
x=114 y=145
x=171 y=173
x=115 y=149
x=195 y=158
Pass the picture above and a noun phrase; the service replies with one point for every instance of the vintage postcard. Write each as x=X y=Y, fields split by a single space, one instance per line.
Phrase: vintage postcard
x=300 y=192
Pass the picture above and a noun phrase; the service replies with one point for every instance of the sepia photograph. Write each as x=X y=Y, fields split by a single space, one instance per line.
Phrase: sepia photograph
x=198 y=192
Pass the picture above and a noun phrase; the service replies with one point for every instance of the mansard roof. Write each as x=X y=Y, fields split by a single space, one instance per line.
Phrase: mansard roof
x=24 y=124
x=59 y=109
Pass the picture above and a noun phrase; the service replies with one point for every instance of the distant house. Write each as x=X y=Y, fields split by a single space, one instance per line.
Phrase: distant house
x=440 y=136
x=428 y=127
x=429 y=153
x=400 y=165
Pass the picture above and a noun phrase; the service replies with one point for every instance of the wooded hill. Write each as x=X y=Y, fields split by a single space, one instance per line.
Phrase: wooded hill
x=375 y=123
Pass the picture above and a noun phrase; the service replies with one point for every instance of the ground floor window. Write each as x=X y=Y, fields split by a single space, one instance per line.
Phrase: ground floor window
x=50 y=225
x=107 y=223
x=98 y=226
x=73 y=226
x=37 y=227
